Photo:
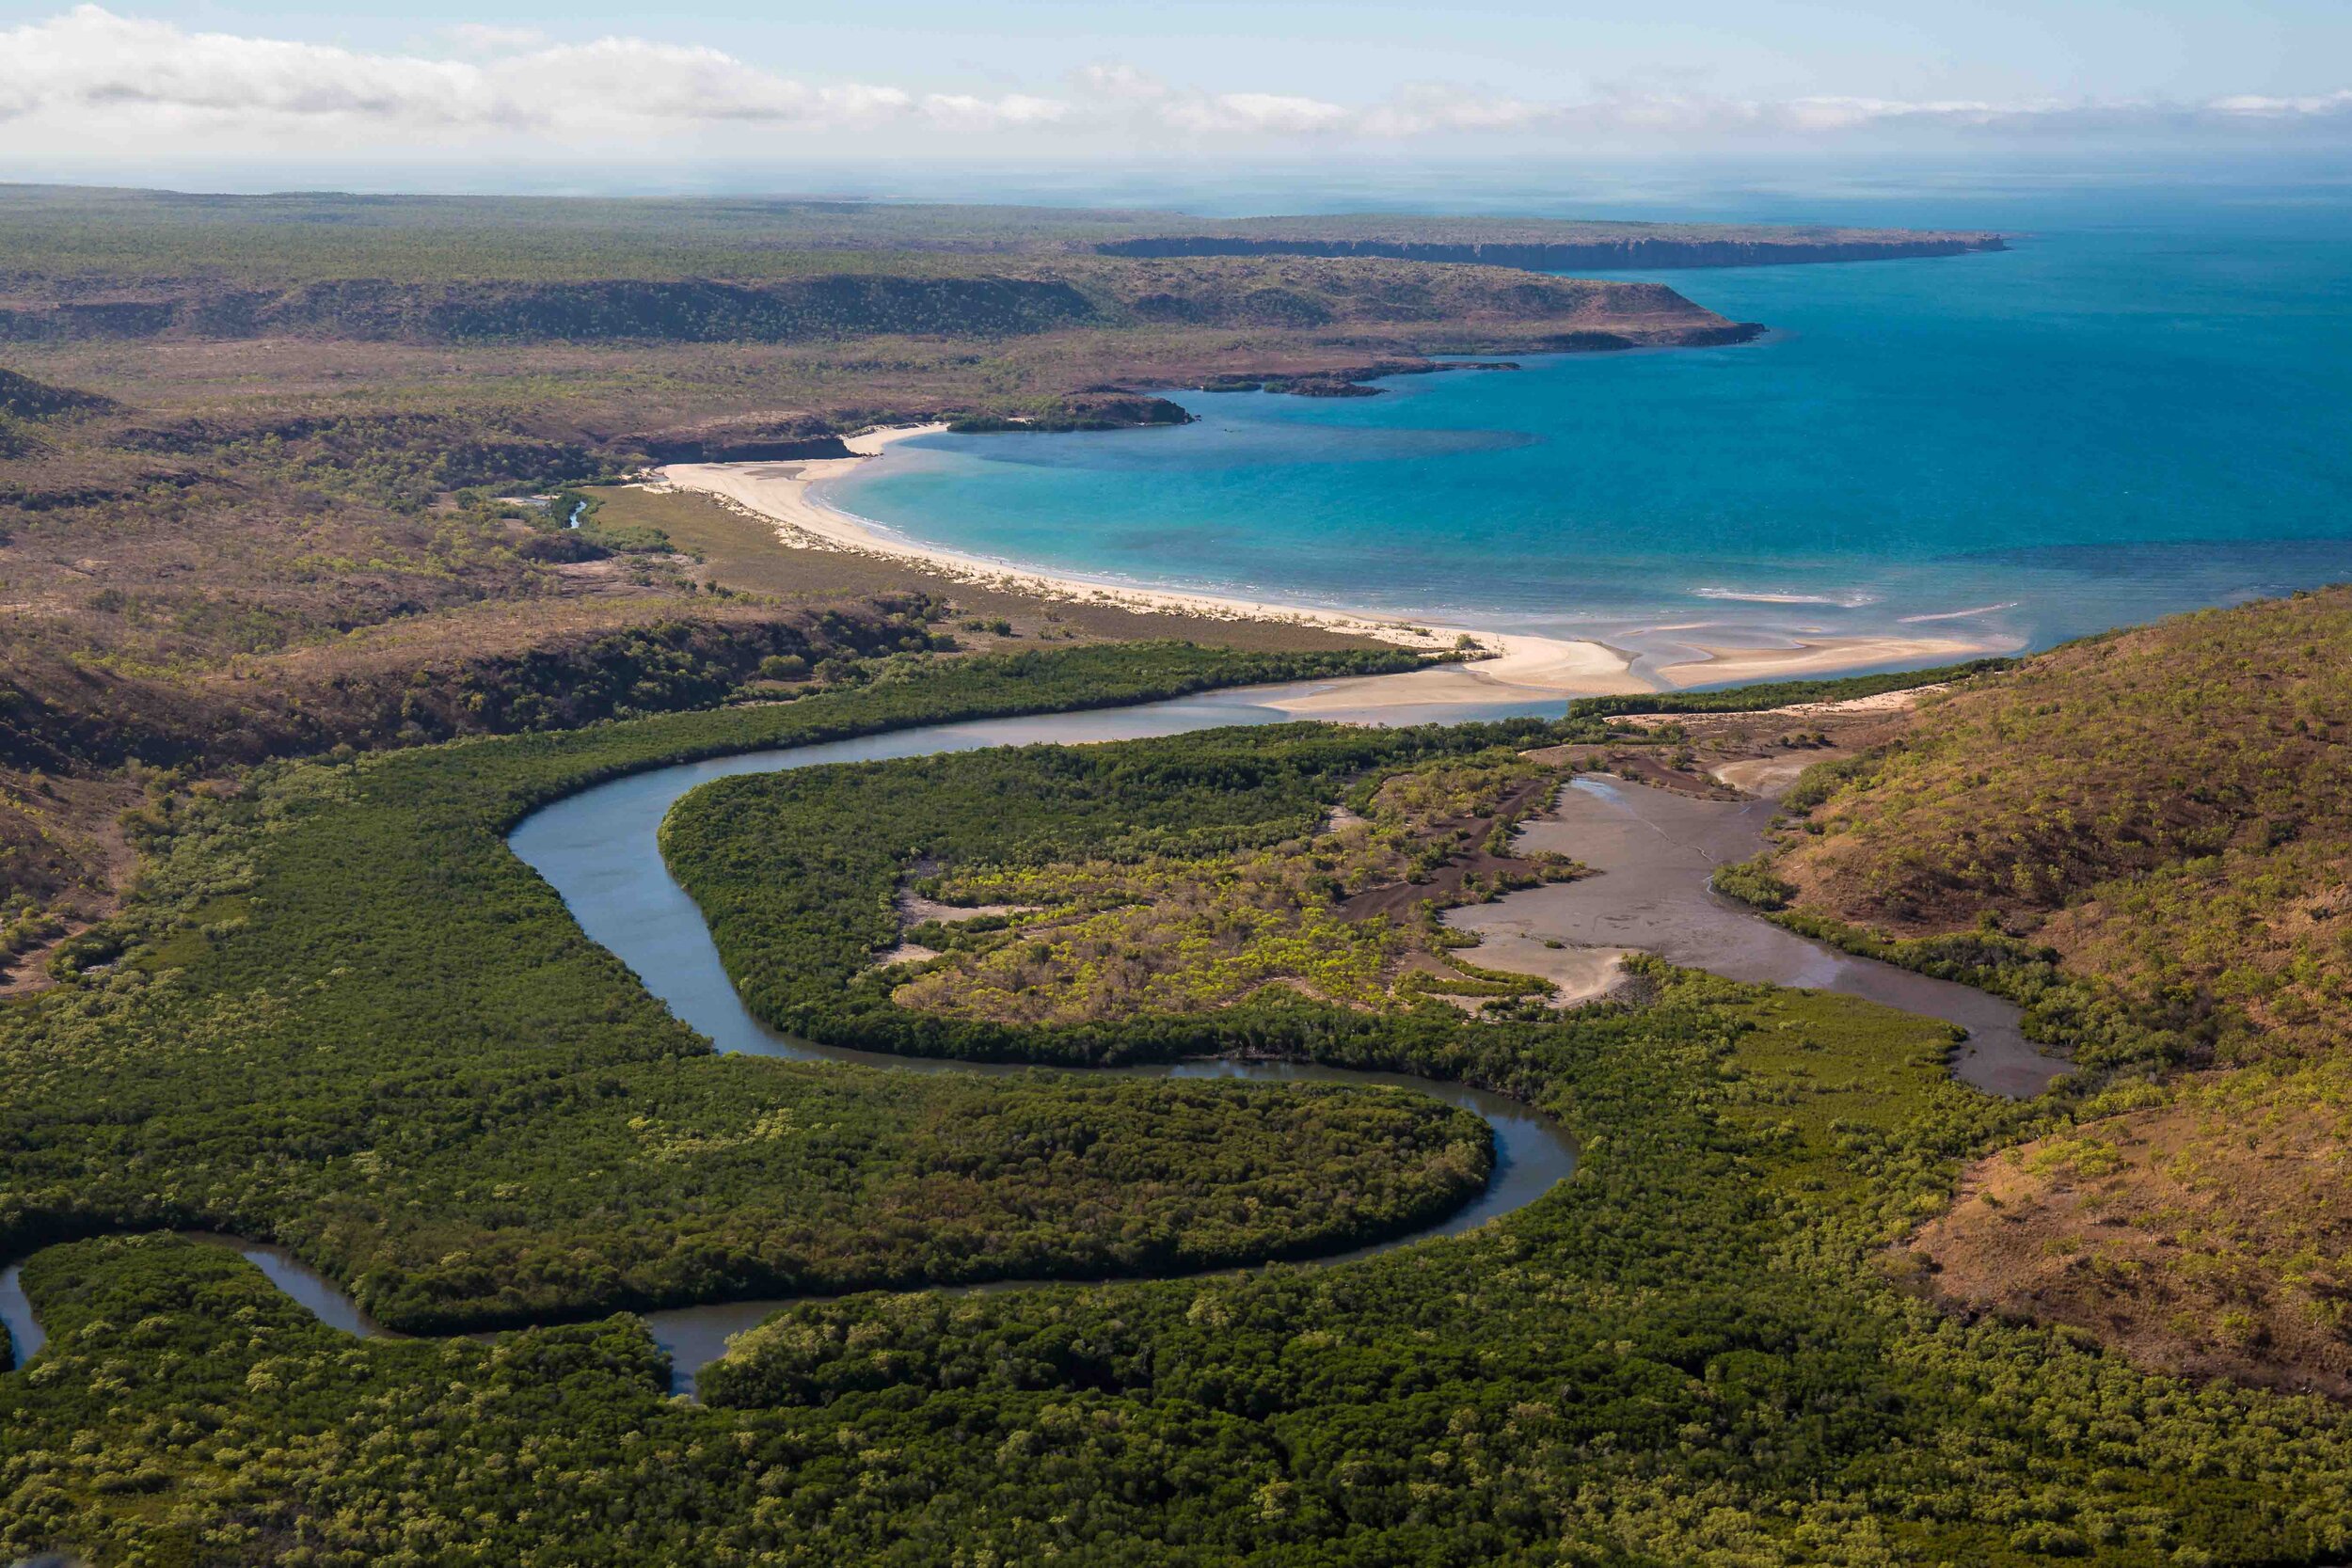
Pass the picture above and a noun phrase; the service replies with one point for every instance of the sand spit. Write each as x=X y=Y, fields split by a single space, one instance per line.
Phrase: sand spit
x=1818 y=657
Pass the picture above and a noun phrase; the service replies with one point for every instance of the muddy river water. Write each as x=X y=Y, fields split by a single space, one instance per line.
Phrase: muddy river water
x=1655 y=852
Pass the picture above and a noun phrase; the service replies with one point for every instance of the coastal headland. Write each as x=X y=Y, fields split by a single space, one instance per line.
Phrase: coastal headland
x=1553 y=246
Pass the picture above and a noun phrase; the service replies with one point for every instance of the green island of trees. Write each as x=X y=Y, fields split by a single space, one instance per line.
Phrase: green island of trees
x=797 y=875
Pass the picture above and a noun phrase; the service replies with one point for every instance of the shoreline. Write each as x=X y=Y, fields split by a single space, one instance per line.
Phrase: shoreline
x=1520 y=666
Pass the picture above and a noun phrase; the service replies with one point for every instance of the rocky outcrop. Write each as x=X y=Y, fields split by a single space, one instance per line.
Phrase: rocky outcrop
x=1095 y=409
x=1353 y=381
x=1345 y=382
x=22 y=398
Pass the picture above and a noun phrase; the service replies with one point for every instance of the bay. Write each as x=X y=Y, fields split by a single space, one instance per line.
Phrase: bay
x=2141 y=407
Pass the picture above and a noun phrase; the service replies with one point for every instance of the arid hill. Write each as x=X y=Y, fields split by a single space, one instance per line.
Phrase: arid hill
x=2168 y=813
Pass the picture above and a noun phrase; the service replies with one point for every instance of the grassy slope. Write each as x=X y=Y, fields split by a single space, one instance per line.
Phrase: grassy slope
x=2170 y=811
x=2170 y=808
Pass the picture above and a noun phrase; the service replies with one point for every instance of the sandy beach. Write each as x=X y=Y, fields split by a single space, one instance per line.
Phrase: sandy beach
x=1822 y=656
x=1519 y=668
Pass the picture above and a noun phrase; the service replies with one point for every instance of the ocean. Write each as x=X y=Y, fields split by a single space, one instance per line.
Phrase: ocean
x=2144 y=406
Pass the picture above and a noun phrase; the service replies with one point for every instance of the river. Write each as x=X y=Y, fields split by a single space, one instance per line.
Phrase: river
x=599 y=849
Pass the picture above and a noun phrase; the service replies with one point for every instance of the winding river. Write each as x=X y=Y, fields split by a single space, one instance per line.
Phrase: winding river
x=599 y=849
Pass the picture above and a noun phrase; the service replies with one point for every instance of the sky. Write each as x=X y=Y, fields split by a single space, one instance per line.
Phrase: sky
x=88 y=90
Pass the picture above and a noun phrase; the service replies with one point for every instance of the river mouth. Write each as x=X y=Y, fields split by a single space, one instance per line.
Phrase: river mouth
x=600 y=849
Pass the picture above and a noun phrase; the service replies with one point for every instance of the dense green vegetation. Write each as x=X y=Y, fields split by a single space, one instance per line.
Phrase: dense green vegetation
x=1752 y=881
x=343 y=1016
x=1693 y=1351
x=797 y=874
x=1687 y=1353
x=1771 y=694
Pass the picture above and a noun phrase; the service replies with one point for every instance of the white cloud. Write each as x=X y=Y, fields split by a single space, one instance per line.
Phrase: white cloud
x=92 y=71
x=94 y=60
x=2321 y=106
x=982 y=113
x=1429 y=107
x=1255 y=113
x=616 y=78
x=89 y=78
x=1113 y=80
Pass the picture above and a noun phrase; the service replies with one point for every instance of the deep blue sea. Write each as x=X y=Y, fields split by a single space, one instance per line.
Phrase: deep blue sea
x=2144 y=406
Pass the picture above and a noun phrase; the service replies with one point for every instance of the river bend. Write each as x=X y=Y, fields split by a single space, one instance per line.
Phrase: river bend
x=598 y=848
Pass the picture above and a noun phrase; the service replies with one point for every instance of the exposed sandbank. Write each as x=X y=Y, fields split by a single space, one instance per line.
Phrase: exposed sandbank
x=1821 y=655
x=1900 y=701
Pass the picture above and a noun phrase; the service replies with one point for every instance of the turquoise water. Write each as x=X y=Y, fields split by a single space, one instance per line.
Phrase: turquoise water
x=2143 y=408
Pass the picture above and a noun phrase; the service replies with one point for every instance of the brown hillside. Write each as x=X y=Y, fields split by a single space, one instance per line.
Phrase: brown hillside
x=2171 y=810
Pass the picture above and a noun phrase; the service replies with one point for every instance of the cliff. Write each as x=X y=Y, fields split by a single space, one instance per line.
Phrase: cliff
x=1272 y=294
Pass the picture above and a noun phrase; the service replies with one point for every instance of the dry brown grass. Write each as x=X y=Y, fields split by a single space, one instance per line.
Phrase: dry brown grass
x=2169 y=809
x=2206 y=1237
